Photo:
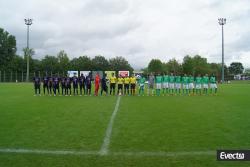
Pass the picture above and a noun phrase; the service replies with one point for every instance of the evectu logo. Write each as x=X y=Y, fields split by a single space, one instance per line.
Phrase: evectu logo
x=233 y=155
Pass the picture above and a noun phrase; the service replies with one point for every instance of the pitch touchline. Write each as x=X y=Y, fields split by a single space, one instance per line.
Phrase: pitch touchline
x=96 y=153
x=106 y=141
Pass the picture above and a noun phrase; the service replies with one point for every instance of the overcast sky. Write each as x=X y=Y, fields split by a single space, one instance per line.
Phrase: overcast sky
x=138 y=30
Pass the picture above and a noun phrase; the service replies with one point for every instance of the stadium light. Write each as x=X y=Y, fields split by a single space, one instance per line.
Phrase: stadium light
x=222 y=22
x=28 y=22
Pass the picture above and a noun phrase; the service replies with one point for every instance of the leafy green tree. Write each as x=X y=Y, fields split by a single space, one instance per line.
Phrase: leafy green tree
x=155 y=65
x=119 y=63
x=63 y=62
x=100 y=63
x=188 y=65
x=174 y=67
x=215 y=69
x=200 y=65
x=49 y=64
x=83 y=63
x=7 y=49
x=18 y=64
x=236 y=68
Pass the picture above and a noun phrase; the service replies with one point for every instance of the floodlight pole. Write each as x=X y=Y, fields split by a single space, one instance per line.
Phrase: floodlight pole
x=222 y=22
x=28 y=22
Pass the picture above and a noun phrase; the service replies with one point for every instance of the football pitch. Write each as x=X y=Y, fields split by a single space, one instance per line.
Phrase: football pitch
x=113 y=131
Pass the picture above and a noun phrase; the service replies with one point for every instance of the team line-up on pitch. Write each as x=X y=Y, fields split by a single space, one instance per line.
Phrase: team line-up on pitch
x=156 y=84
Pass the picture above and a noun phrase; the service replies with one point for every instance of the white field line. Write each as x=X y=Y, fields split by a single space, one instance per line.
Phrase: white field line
x=51 y=152
x=164 y=154
x=96 y=153
x=106 y=141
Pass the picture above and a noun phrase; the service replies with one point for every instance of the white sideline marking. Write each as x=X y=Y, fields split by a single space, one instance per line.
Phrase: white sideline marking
x=96 y=153
x=106 y=141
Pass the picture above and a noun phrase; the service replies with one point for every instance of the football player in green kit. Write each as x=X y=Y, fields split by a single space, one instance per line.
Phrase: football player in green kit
x=178 y=84
x=191 y=85
x=158 y=81
x=185 y=80
x=171 y=83
x=141 y=86
x=165 y=84
x=213 y=85
x=205 y=81
x=198 y=81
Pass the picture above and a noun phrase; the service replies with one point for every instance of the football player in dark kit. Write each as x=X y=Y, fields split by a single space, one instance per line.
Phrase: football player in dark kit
x=45 y=84
x=82 y=84
x=68 y=86
x=75 y=85
x=50 y=84
x=37 y=86
x=88 y=84
x=104 y=85
x=63 y=81
x=56 y=85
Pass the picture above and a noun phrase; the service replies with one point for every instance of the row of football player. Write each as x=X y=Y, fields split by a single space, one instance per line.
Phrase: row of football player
x=168 y=84
x=53 y=84
x=189 y=84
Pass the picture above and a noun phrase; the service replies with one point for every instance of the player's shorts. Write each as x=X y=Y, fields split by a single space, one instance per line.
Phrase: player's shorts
x=112 y=85
x=120 y=86
x=213 y=86
x=191 y=85
x=165 y=85
x=141 y=86
x=132 y=86
x=37 y=86
x=81 y=86
x=178 y=86
x=126 y=86
x=88 y=86
x=198 y=86
x=97 y=86
x=158 y=85
x=205 y=86
x=105 y=88
x=50 y=85
x=151 y=85
x=171 y=85
x=185 y=86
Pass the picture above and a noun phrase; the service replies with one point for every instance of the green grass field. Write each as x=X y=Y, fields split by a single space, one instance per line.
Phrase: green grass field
x=146 y=131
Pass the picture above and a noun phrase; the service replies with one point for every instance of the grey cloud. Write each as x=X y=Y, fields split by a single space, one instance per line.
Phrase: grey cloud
x=136 y=29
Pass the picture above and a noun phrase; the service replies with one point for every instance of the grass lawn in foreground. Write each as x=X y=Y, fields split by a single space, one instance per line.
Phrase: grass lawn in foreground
x=142 y=124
